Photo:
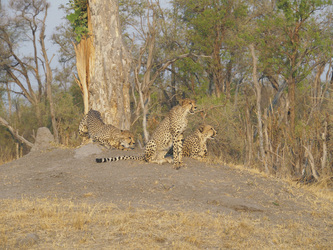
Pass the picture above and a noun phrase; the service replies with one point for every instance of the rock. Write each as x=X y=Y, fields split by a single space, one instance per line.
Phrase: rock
x=87 y=150
x=44 y=140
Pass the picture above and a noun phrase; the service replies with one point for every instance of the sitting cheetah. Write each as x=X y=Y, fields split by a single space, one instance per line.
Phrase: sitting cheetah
x=195 y=145
x=92 y=126
x=168 y=133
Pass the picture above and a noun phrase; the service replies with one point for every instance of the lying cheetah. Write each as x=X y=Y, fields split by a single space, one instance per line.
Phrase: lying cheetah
x=167 y=134
x=92 y=126
x=195 y=146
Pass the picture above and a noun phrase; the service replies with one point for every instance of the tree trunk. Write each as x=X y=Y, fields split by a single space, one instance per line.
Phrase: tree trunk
x=173 y=100
x=109 y=64
x=312 y=162
x=144 y=106
x=216 y=63
x=258 y=95
x=323 y=159
x=249 y=135
x=228 y=78
x=49 y=79
x=291 y=95
x=9 y=100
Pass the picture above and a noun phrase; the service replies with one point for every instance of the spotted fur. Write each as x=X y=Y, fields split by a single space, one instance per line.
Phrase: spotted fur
x=168 y=133
x=195 y=145
x=92 y=126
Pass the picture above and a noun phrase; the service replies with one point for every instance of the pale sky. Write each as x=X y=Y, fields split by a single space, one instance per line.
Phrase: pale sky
x=54 y=18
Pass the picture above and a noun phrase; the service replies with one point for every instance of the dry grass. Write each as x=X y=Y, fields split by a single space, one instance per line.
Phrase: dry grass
x=6 y=155
x=61 y=224
x=323 y=188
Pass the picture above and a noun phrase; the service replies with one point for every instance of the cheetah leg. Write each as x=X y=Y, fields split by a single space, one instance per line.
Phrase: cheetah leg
x=83 y=128
x=86 y=140
x=204 y=149
x=114 y=144
x=102 y=142
x=150 y=152
x=177 y=152
x=169 y=159
x=83 y=131
x=160 y=157
x=197 y=157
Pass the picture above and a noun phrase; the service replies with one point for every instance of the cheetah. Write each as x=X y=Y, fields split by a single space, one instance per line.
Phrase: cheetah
x=195 y=145
x=167 y=134
x=92 y=126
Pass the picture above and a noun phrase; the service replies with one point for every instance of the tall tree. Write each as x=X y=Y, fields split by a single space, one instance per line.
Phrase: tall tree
x=103 y=62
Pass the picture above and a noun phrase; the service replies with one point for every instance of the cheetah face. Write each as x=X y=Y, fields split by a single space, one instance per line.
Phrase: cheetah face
x=127 y=139
x=208 y=131
x=189 y=105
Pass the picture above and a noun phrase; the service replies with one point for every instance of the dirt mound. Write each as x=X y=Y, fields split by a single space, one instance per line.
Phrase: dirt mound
x=200 y=186
x=44 y=140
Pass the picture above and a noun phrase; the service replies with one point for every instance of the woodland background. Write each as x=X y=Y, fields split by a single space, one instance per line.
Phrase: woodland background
x=261 y=72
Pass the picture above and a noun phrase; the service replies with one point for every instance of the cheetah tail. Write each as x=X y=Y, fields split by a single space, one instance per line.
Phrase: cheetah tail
x=119 y=158
x=101 y=160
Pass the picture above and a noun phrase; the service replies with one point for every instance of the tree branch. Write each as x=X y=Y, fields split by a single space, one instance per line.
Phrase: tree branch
x=15 y=132
x=165 y=65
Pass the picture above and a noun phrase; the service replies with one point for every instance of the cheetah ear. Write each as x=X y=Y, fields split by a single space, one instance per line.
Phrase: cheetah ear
x=180 y=100
x=201 y=128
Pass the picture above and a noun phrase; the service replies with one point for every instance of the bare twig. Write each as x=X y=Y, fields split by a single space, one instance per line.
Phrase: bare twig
x=323 y=159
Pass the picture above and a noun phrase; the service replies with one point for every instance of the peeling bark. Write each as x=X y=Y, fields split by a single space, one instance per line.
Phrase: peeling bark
x=109 y=65
x=82 y=52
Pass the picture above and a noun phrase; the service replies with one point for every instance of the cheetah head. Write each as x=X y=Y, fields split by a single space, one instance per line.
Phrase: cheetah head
x=189 y=104
x=127 y=139
x=207 y=131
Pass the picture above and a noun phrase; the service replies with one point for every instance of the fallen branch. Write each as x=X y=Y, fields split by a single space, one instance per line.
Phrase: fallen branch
x=15 y=132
